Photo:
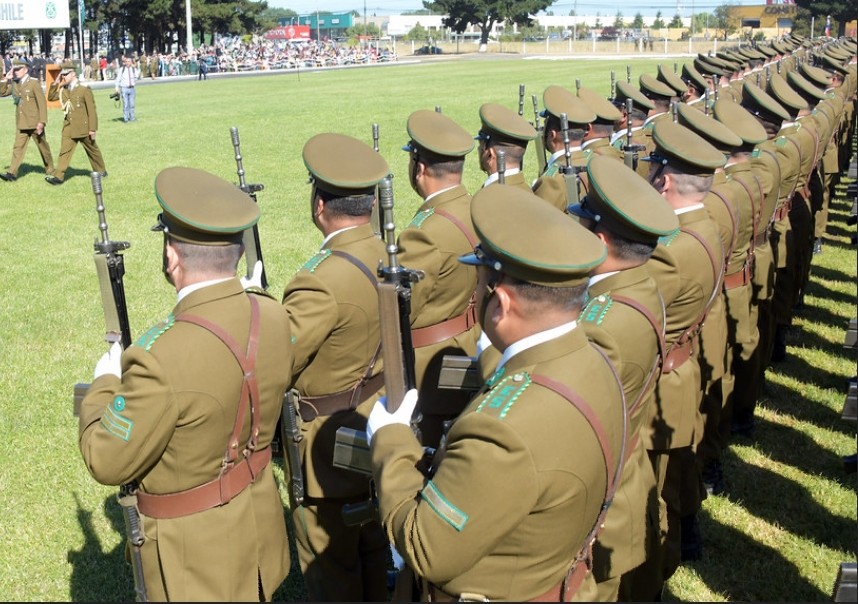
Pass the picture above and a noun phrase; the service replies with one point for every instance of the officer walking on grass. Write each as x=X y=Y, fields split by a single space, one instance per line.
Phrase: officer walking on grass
x=80 y=123
x=31 y=117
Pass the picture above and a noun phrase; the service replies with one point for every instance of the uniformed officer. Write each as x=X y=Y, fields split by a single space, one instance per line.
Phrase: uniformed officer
x=503 y=129
x=597 y=139
x=179 y=414
x=517 y=492
x=659 y=94
x=443 y=311
x=695 y=93
x=625 y=317
x=665 y=75
x=333 y=314
x=80 y=123
x=31 y=117
x=552 y=185
x=681 y=169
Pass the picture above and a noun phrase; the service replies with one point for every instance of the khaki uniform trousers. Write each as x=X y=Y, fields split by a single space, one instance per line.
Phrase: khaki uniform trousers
x=67 y=150
x=22 y=139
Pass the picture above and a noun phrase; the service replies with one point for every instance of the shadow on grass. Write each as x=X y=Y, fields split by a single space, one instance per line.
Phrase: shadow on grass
x=98 y=575
x=761 y=575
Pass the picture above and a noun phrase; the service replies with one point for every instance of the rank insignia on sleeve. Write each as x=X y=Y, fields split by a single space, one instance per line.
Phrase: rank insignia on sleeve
x=114 y=422
x=441 y=506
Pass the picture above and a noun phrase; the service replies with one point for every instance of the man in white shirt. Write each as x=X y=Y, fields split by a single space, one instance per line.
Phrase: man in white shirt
x=126 y=82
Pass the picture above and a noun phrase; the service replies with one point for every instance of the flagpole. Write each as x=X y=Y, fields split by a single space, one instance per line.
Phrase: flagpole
x=80 y=31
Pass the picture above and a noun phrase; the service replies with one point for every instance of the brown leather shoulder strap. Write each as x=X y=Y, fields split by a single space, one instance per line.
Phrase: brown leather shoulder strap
x=472 y=239
x=363 y=267
x=733 y=220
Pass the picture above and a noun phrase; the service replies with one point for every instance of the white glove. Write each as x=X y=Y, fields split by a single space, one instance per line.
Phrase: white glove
x=255 y=279
x=380 y=417
x=110 y=362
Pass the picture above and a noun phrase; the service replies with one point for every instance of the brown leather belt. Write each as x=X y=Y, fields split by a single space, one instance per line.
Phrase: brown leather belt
x=739 y=278
x=435 y=334
x=209 y=495
x=678 y=354
x=311 y=407
x=782 y=210
x=433 y=593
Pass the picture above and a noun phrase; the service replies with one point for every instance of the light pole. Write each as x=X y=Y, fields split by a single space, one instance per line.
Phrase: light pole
x=189 y=45
x=80 y=31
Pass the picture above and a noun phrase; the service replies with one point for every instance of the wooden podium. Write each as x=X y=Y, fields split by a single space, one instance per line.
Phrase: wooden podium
x=52 y=72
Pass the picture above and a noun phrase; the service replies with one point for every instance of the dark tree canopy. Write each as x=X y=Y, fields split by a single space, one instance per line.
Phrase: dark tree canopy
x=840 y=13
x=485 y=13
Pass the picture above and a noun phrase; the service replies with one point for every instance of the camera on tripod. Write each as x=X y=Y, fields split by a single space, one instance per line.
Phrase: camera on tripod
x=114 y=95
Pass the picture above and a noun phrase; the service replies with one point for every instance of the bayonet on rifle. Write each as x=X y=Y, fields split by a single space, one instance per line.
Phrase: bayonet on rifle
x=252 y=245
x=540 y=129
x=521 y=99
x=375 y=218
x=501 y=161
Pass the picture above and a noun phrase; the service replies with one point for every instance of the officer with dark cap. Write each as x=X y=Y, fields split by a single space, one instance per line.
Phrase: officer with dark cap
x=31 y=117
x=80 y=124
x=641 y=106
x=503 y=130
x=463 y=532
x=659 y=94
x=551 y=184
x=443 y=313
x=337 y=371
x=178 y=414
x=681 y=169
x=625 y=317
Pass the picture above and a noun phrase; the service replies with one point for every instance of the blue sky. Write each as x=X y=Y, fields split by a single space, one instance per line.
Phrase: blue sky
x=629 y=8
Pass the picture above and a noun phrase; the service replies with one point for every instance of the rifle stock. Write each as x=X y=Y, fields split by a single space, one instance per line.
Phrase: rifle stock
x=252 y=244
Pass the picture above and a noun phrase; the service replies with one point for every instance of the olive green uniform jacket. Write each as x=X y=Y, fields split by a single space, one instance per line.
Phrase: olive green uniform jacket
x=432 y=243
x=81 y=118
x=551 y=185
x=520 y=484
x=333 y=317
x=31 y=110
x=167 y=422
x=633 y=345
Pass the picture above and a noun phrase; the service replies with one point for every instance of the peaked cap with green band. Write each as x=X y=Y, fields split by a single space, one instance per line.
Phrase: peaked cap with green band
x=760 y=103
x=766 y=50
x=805 y=87
x=199 y=207
x=67 y=66
x=684 y=150
x=740 y=121
x=563 y=255
x=504 y=124
x=818 y=76
x=625 y=202
x=436 y=134
x=707 y=68
x=671 y=78
x=628 y=91
x=343 y=165
x=714 y=132
x=557 y=100
x=782 y=92
x=691 y=76
x=606 y=112
x=829 y=63
x=19 y=63
x=653 y=89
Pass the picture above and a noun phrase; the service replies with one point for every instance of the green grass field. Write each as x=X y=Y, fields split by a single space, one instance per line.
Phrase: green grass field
x=779 y=533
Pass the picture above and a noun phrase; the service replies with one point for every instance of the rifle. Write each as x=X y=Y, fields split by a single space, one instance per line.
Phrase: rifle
x=628 y=74
x=110 y=266
x=375 y=219
x=630 y=151
x=674 y=111
x=540 y=148
x=252 y=246
x=290 y=437
x=351 y=449
x=521 y=99
x=570 y=174
x=706 y=101
x=613 y=85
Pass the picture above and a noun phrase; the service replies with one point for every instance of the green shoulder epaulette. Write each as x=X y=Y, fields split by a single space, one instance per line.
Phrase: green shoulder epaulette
x=648 y=126
x=313 y=263
x=551 y=170
x=153 y=333
x=420 y=218
x=756 y=153
x=668 y=239
x=504 y=394
x=781 y=141
x=587 y=153
x=596 y=309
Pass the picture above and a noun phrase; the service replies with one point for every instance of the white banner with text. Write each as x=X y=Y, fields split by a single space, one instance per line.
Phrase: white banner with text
x=34 y=14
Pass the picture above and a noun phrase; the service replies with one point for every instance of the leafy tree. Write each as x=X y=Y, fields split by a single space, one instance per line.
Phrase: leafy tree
x=841 y=12
x=659 y=22
x=486 y=13
x=618 y=20
x=676 y=21
x=724 y=20
x=358 y=29
x=417 y=33
x=638 y=22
